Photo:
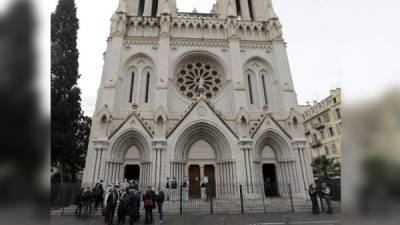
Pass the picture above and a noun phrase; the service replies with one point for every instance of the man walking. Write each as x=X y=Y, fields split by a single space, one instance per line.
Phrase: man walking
x=160 y=200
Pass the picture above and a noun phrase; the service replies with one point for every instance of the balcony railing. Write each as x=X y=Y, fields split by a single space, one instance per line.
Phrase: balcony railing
x=318 y=125
x=315 y=144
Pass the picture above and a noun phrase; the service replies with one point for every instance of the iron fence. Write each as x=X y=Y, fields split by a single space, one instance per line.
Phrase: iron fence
x=226 y=199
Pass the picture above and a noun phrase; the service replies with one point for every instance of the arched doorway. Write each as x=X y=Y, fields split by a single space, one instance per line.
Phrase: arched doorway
x=132 y=164
x=129 y=158
x=202 y=150
x=201 y=160
x=269 y=176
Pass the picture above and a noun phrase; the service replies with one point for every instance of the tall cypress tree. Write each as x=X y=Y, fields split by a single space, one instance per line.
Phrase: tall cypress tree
x=69 y=127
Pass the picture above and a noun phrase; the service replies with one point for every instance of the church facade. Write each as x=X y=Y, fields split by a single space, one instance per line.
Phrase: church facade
x=197 y=95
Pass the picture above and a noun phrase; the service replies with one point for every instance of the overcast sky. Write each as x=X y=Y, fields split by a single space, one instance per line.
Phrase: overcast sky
x=353 y=44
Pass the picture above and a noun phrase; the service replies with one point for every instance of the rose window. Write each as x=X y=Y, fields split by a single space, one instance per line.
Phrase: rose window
x=199 y=75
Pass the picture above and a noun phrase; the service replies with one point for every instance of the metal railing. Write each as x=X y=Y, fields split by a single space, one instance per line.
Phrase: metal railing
x=225 y=199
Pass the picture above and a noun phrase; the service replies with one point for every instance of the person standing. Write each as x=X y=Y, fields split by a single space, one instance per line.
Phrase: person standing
x=174 y=186
x=185 y=189
x=79 y=203
x=87 y=203
x=203 y=188
x=132 y=206
x=112 y=201
x=138 y=194
x=122 y=207
x=98 y=195
x=167 y=188
x=149 y=204
x=160 y=201
x=326 y=193
x=312 y=191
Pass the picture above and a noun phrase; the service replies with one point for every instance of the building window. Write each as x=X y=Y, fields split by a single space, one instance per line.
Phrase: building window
x=141 y=8
x=339 y=128
x=238 y=8
x=265 y=89
x=131 y=87
x=334 y=150
x=146 y=99
x=331 y=131
x=250 y=89
x=327 y=150
x=338 y=114
x=154 y=8
x=334 y=100
x=322 y=134
x=315 y=138
x=251 y=9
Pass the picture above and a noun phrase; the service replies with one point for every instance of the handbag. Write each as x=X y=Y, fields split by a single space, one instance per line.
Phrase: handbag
x=105 y=212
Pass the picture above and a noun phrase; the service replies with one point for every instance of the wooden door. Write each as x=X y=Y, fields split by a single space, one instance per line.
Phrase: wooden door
x=209 y=171
x=194 y=181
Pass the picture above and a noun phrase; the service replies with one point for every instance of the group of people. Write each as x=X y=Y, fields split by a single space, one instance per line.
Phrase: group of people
x=324 y=193
x=88 y=201
x=124 y=199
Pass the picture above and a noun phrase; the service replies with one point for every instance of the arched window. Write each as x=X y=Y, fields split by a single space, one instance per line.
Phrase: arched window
x=251 y=9
x=250 y=89
x=238 y=8
x=141 y=8
x=146 y=99
x=131 y=87
x=264 y=89
x=154 y=8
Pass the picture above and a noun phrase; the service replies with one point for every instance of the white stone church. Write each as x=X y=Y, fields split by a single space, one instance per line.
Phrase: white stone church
x=197 y=95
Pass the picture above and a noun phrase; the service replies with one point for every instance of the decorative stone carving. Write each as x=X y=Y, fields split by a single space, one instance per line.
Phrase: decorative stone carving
x=196 y=75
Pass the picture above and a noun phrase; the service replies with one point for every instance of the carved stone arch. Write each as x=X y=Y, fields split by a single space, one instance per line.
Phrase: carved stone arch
x=121 y=143
x=275 y=140
x=202 y=131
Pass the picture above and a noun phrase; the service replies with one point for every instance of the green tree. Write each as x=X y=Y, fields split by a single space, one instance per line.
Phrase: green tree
x=325 y=168
x=69 y=127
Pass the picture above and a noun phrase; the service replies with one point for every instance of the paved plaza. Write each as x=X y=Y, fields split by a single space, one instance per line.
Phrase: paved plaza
x=229 y=219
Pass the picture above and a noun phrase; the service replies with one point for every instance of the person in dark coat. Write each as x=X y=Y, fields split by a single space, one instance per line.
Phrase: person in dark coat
x=87 y=200
x=112 y=200
x=132 y=206
x=160 y=198
x=312 y=191
x=122 y=207
x=98 y=192
x=79 y=203
x=149 y=204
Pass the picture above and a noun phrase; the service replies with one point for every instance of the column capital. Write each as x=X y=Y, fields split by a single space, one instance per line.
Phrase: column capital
x=159 y=144
x=101 y=143
x=246 y=144
x=299 y=144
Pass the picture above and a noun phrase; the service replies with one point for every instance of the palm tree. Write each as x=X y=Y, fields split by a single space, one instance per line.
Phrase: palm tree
x=325 y=168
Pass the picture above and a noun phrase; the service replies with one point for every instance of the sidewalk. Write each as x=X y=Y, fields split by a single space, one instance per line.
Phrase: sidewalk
x=232 y=219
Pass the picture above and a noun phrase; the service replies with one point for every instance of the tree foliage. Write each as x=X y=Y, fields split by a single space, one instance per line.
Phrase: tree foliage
x=325 y=168
x=69 y=127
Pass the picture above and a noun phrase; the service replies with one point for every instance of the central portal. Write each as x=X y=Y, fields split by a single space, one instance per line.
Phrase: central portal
x=132 y=172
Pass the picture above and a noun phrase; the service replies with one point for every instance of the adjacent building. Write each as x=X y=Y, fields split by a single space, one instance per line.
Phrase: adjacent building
x=323 y=126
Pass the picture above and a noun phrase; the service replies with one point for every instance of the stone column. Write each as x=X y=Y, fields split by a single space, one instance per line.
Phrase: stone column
x=246 y=146
x=95 y=165
x=159 y=147
x=101 y=145
x=147 y=7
